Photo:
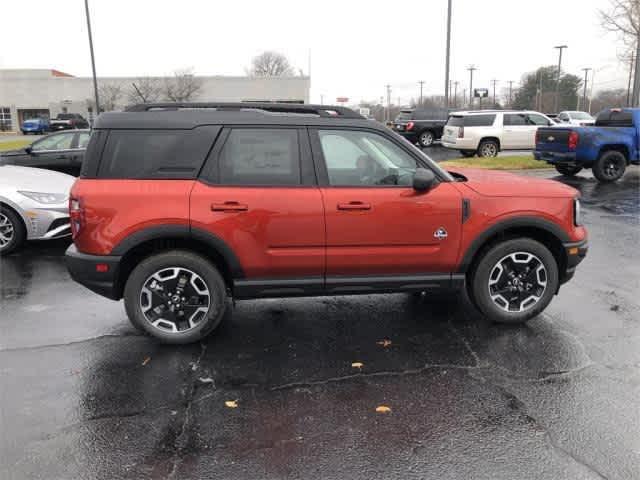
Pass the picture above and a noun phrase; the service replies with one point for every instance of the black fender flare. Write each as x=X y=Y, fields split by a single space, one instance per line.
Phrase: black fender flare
x=186 y=232
x=504 y=225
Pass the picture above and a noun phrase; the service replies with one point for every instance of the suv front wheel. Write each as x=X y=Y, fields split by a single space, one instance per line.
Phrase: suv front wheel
x=514 y=281
x=175 y=296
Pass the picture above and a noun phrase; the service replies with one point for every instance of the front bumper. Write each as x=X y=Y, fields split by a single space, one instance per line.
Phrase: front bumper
x=99 y=273
x=575 y=252
x=45 y=223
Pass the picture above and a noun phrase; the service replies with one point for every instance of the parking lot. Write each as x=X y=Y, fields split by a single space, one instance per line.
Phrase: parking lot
x=289 y=388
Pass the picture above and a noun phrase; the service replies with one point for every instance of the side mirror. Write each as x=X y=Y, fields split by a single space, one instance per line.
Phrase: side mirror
x=423 y=180
x=28 y=150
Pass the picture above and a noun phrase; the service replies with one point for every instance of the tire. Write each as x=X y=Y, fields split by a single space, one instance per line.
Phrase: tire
x=568 y=170
x=172 y=328
x=468 y=153
x=610 y=166
x=488 y=148
x=489 y=280
x=11 y=228
x=426 y=138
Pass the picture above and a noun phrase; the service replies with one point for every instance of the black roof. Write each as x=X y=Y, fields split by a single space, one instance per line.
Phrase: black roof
x=190 y=115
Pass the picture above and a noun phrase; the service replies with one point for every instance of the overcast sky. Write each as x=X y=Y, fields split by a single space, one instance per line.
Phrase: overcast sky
x=357 y=47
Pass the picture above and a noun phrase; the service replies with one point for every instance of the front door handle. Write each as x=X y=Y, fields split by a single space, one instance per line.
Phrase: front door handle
x=229 y=207
x=355 y=205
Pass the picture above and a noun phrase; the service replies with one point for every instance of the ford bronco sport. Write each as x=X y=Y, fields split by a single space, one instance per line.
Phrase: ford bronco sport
x=180 y=207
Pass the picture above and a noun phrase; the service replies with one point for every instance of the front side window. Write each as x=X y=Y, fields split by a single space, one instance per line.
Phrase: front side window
x=260 y=156
x=54 y=142
x=360 y=158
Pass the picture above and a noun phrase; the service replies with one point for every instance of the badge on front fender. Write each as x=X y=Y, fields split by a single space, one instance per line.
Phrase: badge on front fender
x=440 y=233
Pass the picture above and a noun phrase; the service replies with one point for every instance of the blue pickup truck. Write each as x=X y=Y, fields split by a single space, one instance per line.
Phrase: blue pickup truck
x=607 y=147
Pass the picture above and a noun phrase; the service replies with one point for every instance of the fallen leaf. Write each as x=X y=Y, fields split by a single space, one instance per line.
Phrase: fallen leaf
x=145 y=361
x=385 y=343
x=383 y=409
x=231 y=403
x=206 y=379
x=357 y=365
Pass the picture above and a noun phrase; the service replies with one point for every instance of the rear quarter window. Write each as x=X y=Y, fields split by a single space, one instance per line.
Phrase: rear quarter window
x=177 y=154
x=479 y=120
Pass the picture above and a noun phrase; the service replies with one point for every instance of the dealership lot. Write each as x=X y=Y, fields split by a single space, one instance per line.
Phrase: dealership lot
x=84 y=395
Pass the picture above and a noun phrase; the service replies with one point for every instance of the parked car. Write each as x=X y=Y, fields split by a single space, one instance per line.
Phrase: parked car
x=179 y=208
x=35 y=125
x=420 y=125
x=607 y=148
x=62 y=151
x=33 y=206
x=487 y=132
x=68 y=121
x=581 y=119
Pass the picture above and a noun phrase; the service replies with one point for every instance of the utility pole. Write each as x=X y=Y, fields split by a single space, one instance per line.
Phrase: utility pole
x=388 y=115
x=635 y=96
x=584 y=91
x=510 y=91
x=93 y=62
x=446 y=69
x=471 y=68
x=421 y=82
x=321 y=99
x=631 y=60
x=455 y=94
x=464 y=97
x=494 y=82
x=557 y=99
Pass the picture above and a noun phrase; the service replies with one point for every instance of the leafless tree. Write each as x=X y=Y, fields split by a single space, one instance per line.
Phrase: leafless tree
x=270 y=64
x=110 y=94
x=182 y=87
x=623 y=19
x=145 y=90
x=616 y=97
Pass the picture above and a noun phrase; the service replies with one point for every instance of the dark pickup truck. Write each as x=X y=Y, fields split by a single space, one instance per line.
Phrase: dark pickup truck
x=421 y=126
x=607 y=147
x=68 y=121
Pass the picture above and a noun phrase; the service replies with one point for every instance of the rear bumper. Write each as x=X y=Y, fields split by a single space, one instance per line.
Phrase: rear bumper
x=410 y=136
x=575 y=252
x=83 y=269
x=556 y=158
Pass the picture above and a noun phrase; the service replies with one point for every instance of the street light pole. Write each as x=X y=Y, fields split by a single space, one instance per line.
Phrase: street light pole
x=93 y=62
x=557 y=99
x=446 y=69
x=471 y=69
x=584 y=91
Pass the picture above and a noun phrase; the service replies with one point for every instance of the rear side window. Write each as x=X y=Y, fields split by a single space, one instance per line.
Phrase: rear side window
x=479 y=120
x=456 y=121
x=514 y=119
x=156 y=153
x=614 y=118
x=260 y=156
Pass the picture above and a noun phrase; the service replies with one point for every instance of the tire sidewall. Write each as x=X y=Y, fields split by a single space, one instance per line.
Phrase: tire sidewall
x=423 y=144
x=598 y=168
x=176 y=258
x=19 y=232
x=480 y=278
x=485 y=142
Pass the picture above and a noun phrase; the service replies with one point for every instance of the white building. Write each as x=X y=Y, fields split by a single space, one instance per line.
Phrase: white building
x=29 y=93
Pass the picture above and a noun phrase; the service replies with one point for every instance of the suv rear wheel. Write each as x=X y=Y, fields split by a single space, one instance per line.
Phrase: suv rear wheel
x=426 y=138
x=514 y=281
x=610 y=166
x=175 y=296
x=488 y=148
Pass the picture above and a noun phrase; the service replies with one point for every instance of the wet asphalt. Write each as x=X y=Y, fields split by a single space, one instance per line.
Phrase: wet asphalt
x=84 y=395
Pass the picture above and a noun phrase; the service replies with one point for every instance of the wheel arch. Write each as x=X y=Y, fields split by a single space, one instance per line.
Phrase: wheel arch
x=14 y=208
x=495 y=139
x=618 y=147
x=147 y=242
x=544 y=231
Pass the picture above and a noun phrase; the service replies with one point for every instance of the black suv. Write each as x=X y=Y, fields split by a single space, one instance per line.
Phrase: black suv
x=68 y=121
x=421 y=125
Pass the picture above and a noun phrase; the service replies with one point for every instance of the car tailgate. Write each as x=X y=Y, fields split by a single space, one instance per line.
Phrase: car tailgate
x=552 y=140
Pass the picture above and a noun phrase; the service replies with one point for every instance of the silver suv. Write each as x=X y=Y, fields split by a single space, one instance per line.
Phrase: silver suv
x=487 y=132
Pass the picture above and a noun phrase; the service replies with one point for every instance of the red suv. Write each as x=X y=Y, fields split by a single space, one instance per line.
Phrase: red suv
x=180 y=207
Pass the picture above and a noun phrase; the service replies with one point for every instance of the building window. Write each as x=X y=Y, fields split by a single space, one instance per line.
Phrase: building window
x=5 y=119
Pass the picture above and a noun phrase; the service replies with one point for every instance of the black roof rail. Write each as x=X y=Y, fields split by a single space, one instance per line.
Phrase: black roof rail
x=284 y=108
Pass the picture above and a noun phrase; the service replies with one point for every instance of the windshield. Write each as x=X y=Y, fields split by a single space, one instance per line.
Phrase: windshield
x=580 y=115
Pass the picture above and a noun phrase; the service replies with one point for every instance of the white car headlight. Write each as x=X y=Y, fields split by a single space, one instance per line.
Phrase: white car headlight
x=577 y=212
x=45 y=198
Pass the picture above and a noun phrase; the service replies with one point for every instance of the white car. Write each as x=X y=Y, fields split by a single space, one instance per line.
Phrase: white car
x=33 y=205
x=580 y=119
x=487 y=132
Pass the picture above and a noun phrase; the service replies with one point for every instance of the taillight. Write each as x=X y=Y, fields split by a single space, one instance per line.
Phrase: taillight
x=573 y=140
x=537 y=136
x=76 y=216
x=410 y=126
x=460 y=132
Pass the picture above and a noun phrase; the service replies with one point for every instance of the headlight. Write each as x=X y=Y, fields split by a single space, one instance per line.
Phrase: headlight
x=577 y=213
x=45 y=198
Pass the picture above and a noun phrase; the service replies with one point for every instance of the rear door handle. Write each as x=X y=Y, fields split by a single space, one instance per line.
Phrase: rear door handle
x=355 y=205
x=229 y=207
